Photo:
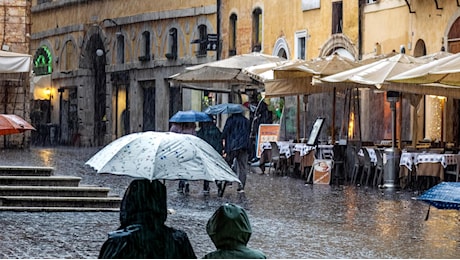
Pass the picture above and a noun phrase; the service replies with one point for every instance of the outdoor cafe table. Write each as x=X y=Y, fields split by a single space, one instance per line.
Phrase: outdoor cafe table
x=424 y=164
x=300 y=152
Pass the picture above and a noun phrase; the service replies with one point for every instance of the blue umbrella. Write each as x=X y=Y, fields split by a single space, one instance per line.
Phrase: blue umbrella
x=445 y=195
x=227 y=108
x=189 y=116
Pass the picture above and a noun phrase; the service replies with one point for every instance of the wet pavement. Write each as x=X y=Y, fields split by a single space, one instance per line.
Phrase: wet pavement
x=289 y=219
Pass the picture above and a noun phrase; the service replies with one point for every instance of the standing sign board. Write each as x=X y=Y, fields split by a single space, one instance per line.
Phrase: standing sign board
x=267 y=133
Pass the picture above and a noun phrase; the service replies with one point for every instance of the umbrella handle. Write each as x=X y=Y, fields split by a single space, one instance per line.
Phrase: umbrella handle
x=427 y=213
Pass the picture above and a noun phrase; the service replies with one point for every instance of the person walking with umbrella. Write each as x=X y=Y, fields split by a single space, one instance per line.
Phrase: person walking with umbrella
x=142 y=232
x=236 y=136
x=213 y=136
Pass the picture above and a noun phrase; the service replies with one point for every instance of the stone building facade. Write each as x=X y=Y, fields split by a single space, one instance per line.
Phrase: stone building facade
x=109 y=62
x=110 y=56
x=15 y=87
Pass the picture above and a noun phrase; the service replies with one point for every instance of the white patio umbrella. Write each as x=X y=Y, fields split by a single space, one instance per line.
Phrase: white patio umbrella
x=444 y=71
x=218 y=75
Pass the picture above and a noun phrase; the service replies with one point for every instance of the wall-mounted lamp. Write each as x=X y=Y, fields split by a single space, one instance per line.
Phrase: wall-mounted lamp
x=48 y=93
x=99 y=52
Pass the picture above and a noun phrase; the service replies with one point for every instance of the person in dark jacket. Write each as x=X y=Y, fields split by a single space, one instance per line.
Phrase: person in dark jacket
x=229 y=229
x=142 y=232
x=236 y=136
x=213 y=136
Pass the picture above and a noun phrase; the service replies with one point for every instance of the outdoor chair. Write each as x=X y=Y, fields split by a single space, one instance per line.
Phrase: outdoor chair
x=379 y=169
x=357 y=165
x=366 y=173
x=339 y=163
x=278 y=160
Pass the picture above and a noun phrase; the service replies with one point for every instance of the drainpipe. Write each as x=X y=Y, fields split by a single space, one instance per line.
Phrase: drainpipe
x=219 y=44
x=361 y=4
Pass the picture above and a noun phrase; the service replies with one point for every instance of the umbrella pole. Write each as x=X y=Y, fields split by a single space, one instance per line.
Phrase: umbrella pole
x=305 y=102
x=298 y=119
x=333 y=117
x=400 y=122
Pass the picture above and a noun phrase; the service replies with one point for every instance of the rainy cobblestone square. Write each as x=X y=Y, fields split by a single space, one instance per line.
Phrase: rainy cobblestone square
x=289 y=219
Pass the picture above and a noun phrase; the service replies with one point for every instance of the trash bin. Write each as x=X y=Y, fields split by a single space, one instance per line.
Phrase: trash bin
x=391 y=158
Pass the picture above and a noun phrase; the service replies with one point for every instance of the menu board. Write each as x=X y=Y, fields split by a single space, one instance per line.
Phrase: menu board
x=267 y=133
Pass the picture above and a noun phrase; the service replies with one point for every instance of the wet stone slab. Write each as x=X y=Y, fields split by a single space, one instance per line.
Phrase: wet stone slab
x=289 y=219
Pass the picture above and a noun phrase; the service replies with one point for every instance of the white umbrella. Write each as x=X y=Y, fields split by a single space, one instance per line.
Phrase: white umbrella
x=163 y=156
x=444 y=70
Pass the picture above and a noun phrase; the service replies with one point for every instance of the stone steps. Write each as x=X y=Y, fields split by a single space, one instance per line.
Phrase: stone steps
x=26 y=171
x=67 y=181
x=54 y=191
x=35 y=189
x=44 y=201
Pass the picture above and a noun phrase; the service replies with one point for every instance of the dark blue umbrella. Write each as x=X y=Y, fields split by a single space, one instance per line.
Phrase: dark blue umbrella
x=445 y=195
x=227 y=108
x=189 y=116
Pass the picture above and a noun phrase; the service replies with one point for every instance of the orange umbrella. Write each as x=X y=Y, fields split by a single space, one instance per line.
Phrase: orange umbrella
x=13 y=124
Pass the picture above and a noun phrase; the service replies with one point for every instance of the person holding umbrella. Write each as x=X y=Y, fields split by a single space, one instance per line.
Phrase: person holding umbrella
x=237 y=143
x=142 y=232
x=212 y=135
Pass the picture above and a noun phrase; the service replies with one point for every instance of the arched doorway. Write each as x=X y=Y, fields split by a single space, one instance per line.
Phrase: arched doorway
x=95 y=62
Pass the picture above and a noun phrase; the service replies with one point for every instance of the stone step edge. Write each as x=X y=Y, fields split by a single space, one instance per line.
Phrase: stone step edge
x=56 y=209
x=44 y=198
x=56 y=188
x=54 y=177
x=26 y=168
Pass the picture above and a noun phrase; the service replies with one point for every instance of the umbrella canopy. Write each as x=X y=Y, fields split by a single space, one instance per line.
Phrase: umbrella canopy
x=377 y=72
x=223 y=71
x=445 y=195
x=189 y=116
x=227 y=108
x=163 y=156
x=13 y=124
x=445 y=70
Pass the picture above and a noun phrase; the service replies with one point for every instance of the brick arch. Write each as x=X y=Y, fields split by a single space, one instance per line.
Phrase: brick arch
x=338 y=41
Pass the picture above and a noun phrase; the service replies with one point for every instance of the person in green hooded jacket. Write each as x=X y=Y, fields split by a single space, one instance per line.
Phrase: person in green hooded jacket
x=229 y=229
x=142 y=232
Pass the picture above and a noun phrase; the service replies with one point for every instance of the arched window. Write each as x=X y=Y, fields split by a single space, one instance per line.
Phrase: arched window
x=232 y=35
x=145 y=46
x=43 y=61
x=120 y=49
x=69 y=58
x=257 y=30
x=172 y=44
x=202 y=51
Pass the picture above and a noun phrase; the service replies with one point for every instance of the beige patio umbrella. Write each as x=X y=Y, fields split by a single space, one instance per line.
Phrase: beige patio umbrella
x=444 y=71
x=221 y=75
x=377 y=72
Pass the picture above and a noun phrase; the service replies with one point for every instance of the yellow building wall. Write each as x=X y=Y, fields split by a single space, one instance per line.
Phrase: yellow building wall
x=282 y=19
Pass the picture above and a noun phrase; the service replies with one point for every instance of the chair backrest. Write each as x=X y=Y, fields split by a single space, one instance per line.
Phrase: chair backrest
x=275 y=149
x=367 y=157
x=339 y=152
x=378 y=154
